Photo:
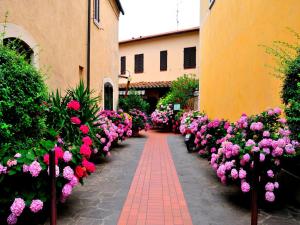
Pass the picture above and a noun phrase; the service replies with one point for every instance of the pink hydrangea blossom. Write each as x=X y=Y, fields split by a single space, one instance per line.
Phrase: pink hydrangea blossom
x=269 y=196
x=3 y=169
x=269 y=186
x=245 y=187
x=74 y=181
x=262 y=157
x=11 y=162
x=68 y=173
x=18 y=155
x=250 y=142
x=36 y=205
x=18 y=206
x=266 y=133
x=246 y=157
x=67 y=156
x=277 y=110
x=270 y=173
x=103 y=140
x=87 y=140
x=234 y=174
x=242 y=174
x=35 y=168
x=276 y=185
x=67 y=190
x=289 y=148
x=12 y=219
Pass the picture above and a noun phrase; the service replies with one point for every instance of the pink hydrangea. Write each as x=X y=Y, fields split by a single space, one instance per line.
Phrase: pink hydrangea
x=67 y=156
x=18 y=155
x=278 y=151
x=277 y=110
x=67 y=190
x=266 y=133
x=103 y=140
x=242 y=174
x=276 y=185
x=250 y=142
x=269 y=196
x=3 y=169
x=262 y=157
x=18 y=206
x=73 y=104
x=270 y=173
x=12 y=219
x=246 y=157
x=269 y=186
x=245 y=187
x=234 y=174
x=289 y=148
x=68 y=173
x=35 y=168
x=25 y=168
x=11 y=162
x=74 y=181
x=36 y=205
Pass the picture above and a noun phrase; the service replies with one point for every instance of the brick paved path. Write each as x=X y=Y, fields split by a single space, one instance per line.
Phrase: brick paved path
x=155 y=196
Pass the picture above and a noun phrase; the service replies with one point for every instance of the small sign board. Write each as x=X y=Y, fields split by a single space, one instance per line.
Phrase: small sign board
x=176 y=107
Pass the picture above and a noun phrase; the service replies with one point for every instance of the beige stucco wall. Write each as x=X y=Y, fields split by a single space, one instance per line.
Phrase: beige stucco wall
x=151 y=48
x=58 y=29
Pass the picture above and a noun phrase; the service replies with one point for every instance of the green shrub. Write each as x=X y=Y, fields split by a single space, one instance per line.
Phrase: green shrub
x=182 y=89
x=22 y=96
x=133 y=101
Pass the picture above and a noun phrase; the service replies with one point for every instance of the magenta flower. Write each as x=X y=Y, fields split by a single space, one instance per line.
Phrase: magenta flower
x=269 y=186
x=262 y=157
x=67 y=190
x=246 y=157
x=245 y=187
x=269 y=196
x=25 y=168
x=35 y=168
x=74 y=181
x=242 y=174
x=75 y=120
x=17 y=207
x=67 y=156
x=3 y=169
x=87 y=140
x=18 y=155
x=36 y=205
x=270 y=173
x=12 y=219
x=266 y=133
x=234 y=174
x=276 y=185
x=73 y=104
x=84 y=129
x=68 y=173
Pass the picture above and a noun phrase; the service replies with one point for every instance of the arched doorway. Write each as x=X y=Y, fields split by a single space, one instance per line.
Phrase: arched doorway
x=20 y=46
x=108 y=96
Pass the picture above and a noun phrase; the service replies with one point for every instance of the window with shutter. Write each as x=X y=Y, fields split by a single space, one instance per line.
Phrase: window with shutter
x=163 y=60
x=189 y=58
x=123 y=64
x=139 y=63
x=97 y=11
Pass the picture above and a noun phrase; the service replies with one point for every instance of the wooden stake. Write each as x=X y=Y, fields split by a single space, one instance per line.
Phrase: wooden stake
x=53 y=187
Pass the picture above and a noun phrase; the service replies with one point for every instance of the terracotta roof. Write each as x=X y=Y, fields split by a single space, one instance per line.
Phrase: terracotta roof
x=160 y=35
x=147 y=85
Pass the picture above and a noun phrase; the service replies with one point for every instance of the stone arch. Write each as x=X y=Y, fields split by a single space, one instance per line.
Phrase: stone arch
x=11 y=30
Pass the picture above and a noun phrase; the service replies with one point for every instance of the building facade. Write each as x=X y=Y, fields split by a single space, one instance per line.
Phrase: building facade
x=57 y=34
x=152 y=62
x=235 y=73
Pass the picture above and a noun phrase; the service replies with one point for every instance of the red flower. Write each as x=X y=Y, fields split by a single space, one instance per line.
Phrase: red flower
x=84 y=129
x=59 y=153
x=85 y=150
x=87 y=141
x=75 y=105
x=90 y=167
x=75 y=120
x=47 y=159
x=80 y=171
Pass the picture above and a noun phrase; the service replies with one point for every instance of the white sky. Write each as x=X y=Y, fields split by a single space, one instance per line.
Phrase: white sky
x=146 y=17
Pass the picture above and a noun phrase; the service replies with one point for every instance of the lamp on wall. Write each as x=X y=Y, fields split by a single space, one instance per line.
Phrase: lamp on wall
x=128 y=77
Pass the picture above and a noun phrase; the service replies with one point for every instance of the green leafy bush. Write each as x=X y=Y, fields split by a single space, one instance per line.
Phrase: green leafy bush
x=22 y=95
x=133 y=101
x=182 y=89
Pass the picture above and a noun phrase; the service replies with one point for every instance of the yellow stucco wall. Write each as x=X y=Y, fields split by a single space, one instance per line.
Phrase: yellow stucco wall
x=59 y=30
x=151 y=48
x=233 y=74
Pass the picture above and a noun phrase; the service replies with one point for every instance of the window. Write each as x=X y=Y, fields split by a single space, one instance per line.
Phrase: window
x=163 y=60
x=139 y=63
x=189 y=58
x=97 y=11
x=123 y=64
x=211 y=3
x=21 y=47
x=81 y=74
x=108 y=96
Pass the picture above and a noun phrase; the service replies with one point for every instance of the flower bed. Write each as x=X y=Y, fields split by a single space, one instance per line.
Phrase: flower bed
x=231 y=147
x=163 y=116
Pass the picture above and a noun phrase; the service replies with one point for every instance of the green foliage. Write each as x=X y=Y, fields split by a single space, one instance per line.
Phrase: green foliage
x=133 y=101
x=22 y=96
x=288 y=67
x=182 y=90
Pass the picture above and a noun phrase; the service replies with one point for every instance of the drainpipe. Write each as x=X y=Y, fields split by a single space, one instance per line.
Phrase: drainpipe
x=88 y=45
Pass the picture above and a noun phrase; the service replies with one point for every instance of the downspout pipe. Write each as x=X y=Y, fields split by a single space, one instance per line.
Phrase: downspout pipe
x=88 y=70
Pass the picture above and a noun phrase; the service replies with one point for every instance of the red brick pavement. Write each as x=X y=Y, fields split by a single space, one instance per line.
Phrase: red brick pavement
x=155 y=196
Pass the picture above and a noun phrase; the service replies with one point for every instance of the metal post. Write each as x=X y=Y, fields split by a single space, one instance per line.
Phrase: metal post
x=53 y=187
x=255 y=184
